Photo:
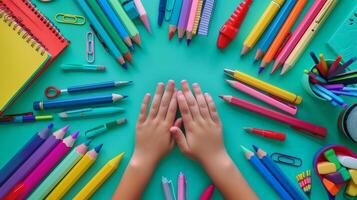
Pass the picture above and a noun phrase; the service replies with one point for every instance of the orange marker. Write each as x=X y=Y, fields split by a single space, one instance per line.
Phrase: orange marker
x=267 y=134
x=322 y=66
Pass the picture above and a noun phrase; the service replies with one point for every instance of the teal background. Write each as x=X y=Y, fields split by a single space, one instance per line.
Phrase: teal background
x=161 y=60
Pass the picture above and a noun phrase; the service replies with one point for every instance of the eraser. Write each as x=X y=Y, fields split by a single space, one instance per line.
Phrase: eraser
x=330 y=155
x=335 y=177
x=353 y=174
x=351 y=189
x=331 y=187
x=348 y=161
x=326 y=167
x=345 y=174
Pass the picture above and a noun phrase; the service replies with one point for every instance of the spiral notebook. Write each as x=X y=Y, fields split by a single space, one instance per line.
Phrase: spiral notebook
x=21 y=58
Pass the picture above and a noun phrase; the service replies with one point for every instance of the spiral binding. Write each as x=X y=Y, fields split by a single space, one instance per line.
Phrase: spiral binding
x=21 y=32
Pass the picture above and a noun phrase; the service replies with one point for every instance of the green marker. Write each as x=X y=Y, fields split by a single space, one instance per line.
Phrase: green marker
x=59 y=172
x=103 y=128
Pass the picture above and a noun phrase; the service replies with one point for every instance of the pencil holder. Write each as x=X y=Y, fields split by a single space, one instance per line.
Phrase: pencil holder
x=347 y=122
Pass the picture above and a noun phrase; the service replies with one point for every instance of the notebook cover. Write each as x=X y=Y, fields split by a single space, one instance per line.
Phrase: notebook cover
x=21 y=58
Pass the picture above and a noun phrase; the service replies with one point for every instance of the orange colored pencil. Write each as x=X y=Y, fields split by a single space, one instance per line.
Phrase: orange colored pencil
x=322 y=66
x=283 y=33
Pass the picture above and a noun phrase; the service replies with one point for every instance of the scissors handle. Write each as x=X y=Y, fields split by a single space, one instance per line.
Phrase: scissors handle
x=88 y=87
x=52 y=92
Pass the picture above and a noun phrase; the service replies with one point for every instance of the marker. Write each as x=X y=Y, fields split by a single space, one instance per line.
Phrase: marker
x=89 y=112
x=267 y=133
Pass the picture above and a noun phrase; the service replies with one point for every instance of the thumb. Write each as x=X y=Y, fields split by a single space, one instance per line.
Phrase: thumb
x=180 y=139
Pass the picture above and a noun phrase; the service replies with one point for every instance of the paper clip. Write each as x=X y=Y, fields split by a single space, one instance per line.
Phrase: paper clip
x=70 y=19
x=286 y=159
x=90 y=51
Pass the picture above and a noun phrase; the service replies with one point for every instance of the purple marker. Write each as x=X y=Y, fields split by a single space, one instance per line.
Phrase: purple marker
x=184 y=15
x=32 y=161
x=334 y=86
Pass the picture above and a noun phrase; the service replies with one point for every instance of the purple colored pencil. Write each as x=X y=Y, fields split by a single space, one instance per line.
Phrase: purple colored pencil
x=344 y=66
x=334 y=86
x=184 y=15
x=32 y=161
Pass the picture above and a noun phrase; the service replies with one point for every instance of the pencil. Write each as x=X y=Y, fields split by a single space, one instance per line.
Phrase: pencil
x=191 y=21
x=99 y=178
x=174 y=20
x=185 y=12
x=143 y=15
x=261 y=25
x=334 y=66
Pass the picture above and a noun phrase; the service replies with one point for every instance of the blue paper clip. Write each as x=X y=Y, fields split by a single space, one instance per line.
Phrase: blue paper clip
x=90 y=51
x=286 y=159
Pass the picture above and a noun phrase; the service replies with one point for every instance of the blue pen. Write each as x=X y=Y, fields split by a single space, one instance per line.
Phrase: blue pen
x=25 y=152
x=88 y=112
x=118 y=25
x=334 y=97
x=79 y=102
x=278 y=174
x=274 y=28
x=162 y=9
x=101 y=33
x=175 y=16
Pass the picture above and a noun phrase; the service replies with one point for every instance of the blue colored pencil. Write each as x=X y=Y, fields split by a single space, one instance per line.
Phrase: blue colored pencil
x=175 y=16
x=266 y=174
x=101 y=33
x=274 y=28
x=24 y=153
x=278 y=174
x=118 y=25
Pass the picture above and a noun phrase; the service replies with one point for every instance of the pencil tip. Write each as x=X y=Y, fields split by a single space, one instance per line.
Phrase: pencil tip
x=75 y=134
x=87 y=143
x=221 y=96
x=50 y=126
x=98 y=148
x=247 y=129
x=171 y=35
x=244 y=149
x=64 y=129
x=260 y=70
x=188 y=42
x=255 y=148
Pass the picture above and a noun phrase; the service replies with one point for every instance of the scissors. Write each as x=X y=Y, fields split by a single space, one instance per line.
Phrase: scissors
x=52 y=92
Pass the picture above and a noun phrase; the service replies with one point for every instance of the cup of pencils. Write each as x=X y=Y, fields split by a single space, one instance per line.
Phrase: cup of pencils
x=328 y=80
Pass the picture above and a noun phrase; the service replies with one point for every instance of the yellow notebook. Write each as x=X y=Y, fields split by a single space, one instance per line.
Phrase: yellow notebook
x=21 y=58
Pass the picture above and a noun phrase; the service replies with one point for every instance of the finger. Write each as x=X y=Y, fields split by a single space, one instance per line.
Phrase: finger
x=166 y=99
x=144 y=108
x=212 y=108
x=172 y=109
x=180 y=139
x=191 y=101
x=156 y=101
x=201 y=101
x=184 y=110
x=178 y=122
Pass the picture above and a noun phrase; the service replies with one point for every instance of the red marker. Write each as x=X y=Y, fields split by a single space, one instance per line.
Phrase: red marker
x=207 y=193
x=267 y=134
x=230 y=29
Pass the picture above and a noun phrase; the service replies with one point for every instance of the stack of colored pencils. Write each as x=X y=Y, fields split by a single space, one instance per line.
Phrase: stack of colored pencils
x=329 y=80
x=305 y=182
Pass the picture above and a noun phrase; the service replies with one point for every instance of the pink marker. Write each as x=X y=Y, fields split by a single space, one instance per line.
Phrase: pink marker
x=191 y=21
x=263 y=97
x=42 y=170
x=207 y=194
x=181 y=187
x=298 y=33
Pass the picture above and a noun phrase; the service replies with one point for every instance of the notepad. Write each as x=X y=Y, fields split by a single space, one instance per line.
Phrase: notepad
x=21 y=57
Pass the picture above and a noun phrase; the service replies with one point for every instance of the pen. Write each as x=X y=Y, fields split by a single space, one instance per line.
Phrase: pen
x=167 y=187
x=82 y=67
x=182 y=187
x=105 y=127
x=267 y=133
x=24 y=118
x=89 y=112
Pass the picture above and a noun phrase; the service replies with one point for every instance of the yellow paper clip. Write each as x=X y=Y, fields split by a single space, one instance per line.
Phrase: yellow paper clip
x=70 y=19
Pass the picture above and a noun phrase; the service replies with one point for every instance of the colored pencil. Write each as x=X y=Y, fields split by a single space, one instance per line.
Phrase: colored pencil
x=278 y=174
x=266 y=174
x=198 y=16
x=143 y=15
x=99 y=178
x=298 y=33
x=22 y=190
x=32 y=161
x=191 y=21
x=181 y=186
x=261 y=25
x=24 y=153
x=162 y=9
x=334 y=66
x=59 y=172
x=183 y=20
x=283 y=34
x=174 y=20
x=293 y=122
x=207 y=193
x=75 y=174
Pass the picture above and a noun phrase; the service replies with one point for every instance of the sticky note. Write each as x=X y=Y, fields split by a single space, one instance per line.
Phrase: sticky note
x=326 y=167
x=353 y=174
x=331 y=187
x=335 y=177
x=330 y=155
x=351 y=189
x=345 y=174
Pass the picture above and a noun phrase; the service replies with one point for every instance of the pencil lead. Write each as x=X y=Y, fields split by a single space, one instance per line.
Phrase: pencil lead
x=132 y=48
x=125 y=66
x=87 y=143
x=229 y=72
x=171 y=35
x=255 y=148
x=244 y=149
x=247 y=129
x=75 y=134
x=188 y=42
x=180 y=39
x=98 y=148
x=221 y=96
x=229 y=81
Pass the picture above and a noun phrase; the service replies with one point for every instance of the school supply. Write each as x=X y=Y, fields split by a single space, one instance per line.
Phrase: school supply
x=22 y=190
x=89 y=112
x=263 y=97
x=304 y=182
x=183 y=20
x=207 y=193
x=104 y=128
x=182 y=192
x=286 y=159
x=162 y=9
x=298 y=33
x=261 y=25
x=348 y=161
x=278 y=174
x=191 y=21
x=59 y=172
x=74 y=174
x=347 y=122
x=101 y=33
x=143 y=16
x=35 y=158
x=168 y=189
x=344 y=66
x=269 y=35
x=174 y=19
x=24 y=153
x=299 y=125
x=131 y=10
x=129 y=25
x=90 y=47
x=308 y=35
x=65 y=18
x=82 y=67
x=330 y=155
x=353 y=174
x=269 y=178
x=23 y=118
x=231 y=27
x=53 y=92
x=206 y=16
x=283 y=34
x=351 y=189
x=343 y=42
x=198 y=16
x=266 y=87
x=266 y=133
x=99 y=178
x=79 y=102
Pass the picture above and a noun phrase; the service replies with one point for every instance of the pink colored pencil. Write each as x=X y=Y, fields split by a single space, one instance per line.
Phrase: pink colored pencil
x=263 y=97
x=191 y=21
x=298 y=33
x=143 y=15
x=207 y=193
x=41 y=171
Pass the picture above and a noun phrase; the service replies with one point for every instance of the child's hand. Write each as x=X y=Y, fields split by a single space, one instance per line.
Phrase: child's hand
x=203 y=140
x=153 y=139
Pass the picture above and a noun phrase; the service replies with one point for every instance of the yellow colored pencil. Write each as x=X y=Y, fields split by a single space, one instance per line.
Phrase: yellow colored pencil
x=102 y=175
x=261 y=25
x=73 y=176
x=198 y=17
